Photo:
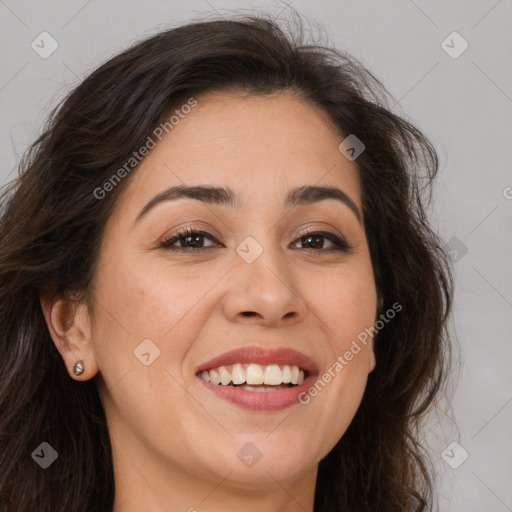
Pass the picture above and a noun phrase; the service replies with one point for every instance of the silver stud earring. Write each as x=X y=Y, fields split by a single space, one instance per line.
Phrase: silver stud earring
x=78 y=369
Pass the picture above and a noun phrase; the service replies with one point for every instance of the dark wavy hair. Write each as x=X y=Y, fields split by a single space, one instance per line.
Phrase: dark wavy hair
x=51 y=227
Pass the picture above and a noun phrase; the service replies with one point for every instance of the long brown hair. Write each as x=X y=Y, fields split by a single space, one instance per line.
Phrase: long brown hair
x=51 y=228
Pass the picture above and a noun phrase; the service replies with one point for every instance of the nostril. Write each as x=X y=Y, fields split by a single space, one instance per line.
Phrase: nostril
x=248 y=313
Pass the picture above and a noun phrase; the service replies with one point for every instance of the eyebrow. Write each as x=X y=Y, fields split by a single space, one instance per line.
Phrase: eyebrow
x=226 y=197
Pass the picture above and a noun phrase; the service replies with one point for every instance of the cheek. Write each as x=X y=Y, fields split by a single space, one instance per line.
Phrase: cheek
x=148 y=300
x=162 y=303
x=346 y=311
x=345 y=302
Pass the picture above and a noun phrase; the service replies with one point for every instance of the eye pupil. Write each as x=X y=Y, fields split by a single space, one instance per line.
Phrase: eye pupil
x=310 y=237
x=191 y=237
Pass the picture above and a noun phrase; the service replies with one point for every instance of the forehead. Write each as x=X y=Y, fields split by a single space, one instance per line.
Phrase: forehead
x=259 y=146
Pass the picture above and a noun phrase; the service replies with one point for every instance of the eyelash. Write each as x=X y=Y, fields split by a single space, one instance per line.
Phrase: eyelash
x=340 y=244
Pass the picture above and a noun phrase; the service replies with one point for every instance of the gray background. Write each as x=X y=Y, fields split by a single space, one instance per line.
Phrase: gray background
x=463 y=104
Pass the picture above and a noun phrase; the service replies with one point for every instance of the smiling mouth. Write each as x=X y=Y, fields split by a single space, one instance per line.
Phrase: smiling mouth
x=256 y=377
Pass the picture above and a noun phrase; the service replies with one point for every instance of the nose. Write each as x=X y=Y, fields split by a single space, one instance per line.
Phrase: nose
x=264 y=292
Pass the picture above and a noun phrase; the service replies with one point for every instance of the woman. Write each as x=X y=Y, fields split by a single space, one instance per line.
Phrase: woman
x=219 y=286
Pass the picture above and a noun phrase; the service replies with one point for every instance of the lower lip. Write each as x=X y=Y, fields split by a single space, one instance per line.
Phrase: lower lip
x=260 y=400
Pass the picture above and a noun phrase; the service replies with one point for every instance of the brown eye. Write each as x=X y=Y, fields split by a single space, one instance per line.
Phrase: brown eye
x=190 y=240
x=316 y=240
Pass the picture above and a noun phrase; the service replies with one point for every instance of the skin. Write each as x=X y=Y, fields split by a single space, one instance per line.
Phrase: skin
x=174 y=443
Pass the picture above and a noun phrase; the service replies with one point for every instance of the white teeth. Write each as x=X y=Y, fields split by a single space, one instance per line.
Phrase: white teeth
x=253 y=388
x=287 y=374
x=225 y=376
x=295 y=374
x=260 y=389
x=238 y=374
x=214 y=377
x=255 y=375
x=273 y=374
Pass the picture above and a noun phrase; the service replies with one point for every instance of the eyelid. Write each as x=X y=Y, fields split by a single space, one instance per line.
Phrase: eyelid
x=315 y=231
x=193 y=228
x=182 y=233
x=340 y=242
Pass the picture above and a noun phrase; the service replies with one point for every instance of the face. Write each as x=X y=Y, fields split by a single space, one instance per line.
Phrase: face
x=281 y=285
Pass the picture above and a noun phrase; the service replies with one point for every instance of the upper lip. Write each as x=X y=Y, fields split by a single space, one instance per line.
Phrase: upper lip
x=263 y=356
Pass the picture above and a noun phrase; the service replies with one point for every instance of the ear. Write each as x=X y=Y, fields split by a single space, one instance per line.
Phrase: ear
x=70 y=329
